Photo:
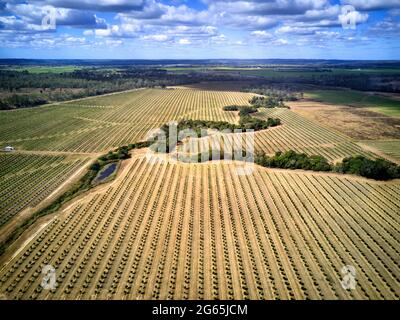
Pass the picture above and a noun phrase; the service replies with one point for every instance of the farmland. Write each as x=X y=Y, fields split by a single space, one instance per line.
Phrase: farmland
x=389 y=147
x=386 y=105
x=170 y=230
x=42 y=69
x=100 y=124
x=270 y=235
x=296 y=133
x=27 y=179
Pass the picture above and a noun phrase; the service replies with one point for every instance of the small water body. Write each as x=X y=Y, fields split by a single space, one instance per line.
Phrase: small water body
x=109 y=170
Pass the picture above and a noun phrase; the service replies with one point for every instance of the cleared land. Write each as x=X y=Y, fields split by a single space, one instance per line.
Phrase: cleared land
x=188 y=231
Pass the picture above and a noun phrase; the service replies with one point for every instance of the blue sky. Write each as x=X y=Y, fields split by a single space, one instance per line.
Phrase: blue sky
x=200 y=29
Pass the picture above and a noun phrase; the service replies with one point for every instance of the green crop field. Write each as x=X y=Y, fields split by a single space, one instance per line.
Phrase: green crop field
x=286 y=71
x=390 y=147
x=385 y=105
x=40 y=69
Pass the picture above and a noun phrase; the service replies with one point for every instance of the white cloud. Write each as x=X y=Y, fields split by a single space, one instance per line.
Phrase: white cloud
x=269 y=7
x=219 y=39
x=297 y=30
x=386 y=28
x=184 y=41
x=114 y=43
x=373 y=4
x=33 y=14
x=118 y=31
x=156 y=37
x=354 y=16
x=97 y=5
x=261 y=34
x=177 y=22
x=281 y=42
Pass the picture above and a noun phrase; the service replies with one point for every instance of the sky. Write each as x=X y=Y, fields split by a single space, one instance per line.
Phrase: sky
x=200 y=29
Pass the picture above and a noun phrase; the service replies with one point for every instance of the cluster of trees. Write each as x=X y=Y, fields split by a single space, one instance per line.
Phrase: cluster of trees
x=245 y=123
x=267 y=102
x=243 y=110
x=231 y=108
x=378 y=169
x=248 y=122
x=121 y=153
x=277 y=94
x=246 y=111
x=292 y=160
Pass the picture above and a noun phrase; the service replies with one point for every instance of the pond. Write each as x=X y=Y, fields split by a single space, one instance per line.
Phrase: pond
x=106 y=172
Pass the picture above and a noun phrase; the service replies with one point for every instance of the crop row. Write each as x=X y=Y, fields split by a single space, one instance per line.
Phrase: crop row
x=74 y=127
x=179 y=231
x=27 y=184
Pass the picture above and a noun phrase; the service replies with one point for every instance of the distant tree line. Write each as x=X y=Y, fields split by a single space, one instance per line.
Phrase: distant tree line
x=21 y=89
x=382 y=82
x=275 y=95
x=21 y=101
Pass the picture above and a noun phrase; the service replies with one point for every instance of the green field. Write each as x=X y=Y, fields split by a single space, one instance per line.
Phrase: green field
x=284 y=71
x=39 y=69
x=389 y=147
x=380 y=104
